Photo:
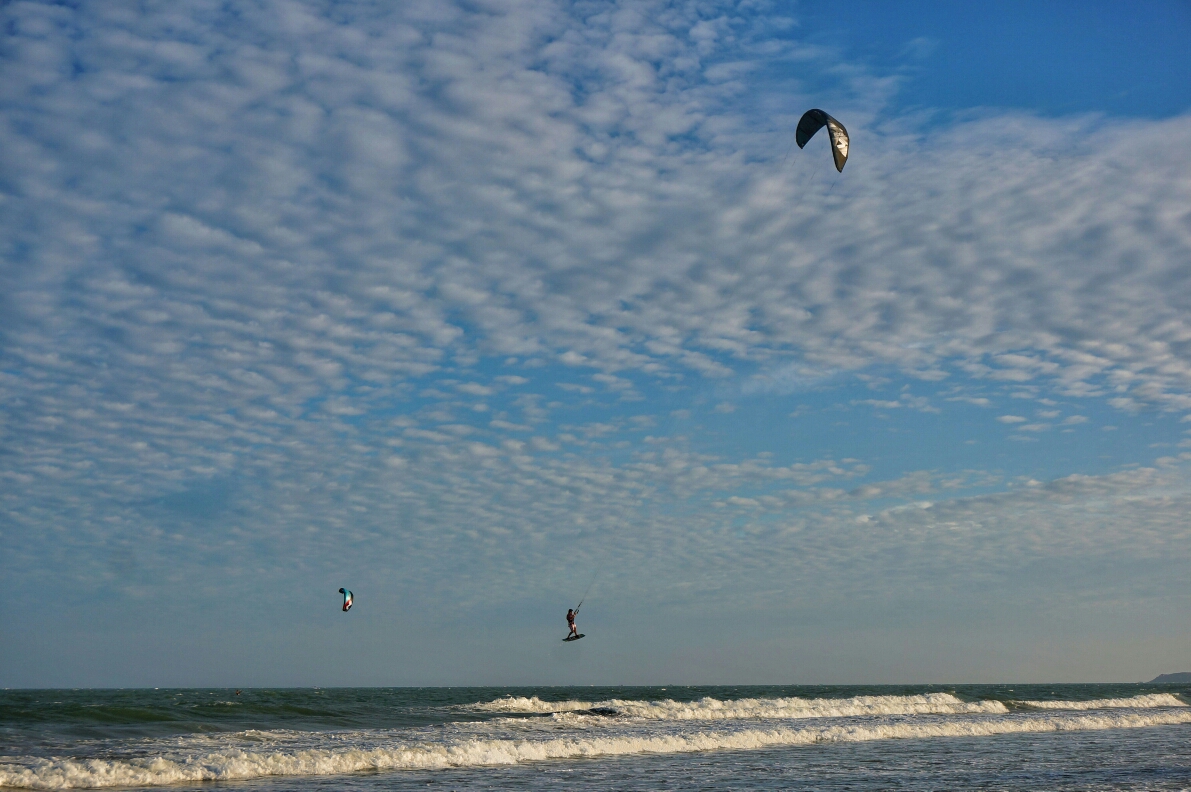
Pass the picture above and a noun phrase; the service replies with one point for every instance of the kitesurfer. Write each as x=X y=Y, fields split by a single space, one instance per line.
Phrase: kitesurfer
x=571 y=622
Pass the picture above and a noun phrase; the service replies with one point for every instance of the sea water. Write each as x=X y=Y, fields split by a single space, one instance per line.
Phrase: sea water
x=1011 y=737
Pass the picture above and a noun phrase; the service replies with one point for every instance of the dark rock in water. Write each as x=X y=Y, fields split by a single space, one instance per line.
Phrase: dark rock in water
x=605 y=711
x=1183 y=677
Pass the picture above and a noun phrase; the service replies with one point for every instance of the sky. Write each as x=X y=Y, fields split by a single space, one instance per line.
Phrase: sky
x=482 y=308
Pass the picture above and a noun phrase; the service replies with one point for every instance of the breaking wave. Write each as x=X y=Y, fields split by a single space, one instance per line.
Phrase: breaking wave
x=241 y=765
x=740 y=709
x=1135 y=702
x=521 y=704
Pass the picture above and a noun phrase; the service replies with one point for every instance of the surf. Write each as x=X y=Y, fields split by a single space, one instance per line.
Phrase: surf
x=238 y=764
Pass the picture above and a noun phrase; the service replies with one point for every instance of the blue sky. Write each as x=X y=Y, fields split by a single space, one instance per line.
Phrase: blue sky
x=469 y=307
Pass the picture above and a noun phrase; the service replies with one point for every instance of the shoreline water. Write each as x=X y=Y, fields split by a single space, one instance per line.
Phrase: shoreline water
x=165 y=738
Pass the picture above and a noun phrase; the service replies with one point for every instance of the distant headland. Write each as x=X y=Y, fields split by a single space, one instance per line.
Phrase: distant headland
x=1171 y=679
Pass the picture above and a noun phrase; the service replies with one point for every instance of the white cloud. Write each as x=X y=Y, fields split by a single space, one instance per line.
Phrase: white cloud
x=254 y=276
x=920 y=403
x=880 y=404
x=498 y=423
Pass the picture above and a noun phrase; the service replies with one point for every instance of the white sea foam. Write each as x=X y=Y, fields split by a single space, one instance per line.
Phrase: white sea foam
x=1146 y=701
x=520 y=704
x=743 y=709
x=240 y=765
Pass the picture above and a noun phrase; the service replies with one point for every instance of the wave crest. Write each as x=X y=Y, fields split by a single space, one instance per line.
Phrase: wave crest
x=241 y=765
x=742 y=709
x=533 y=704
x=1145 y=701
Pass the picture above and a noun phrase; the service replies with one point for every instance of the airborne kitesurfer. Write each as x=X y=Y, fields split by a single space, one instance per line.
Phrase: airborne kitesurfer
x=571 y=622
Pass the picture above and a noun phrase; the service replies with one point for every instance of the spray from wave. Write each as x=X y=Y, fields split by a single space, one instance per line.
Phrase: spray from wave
x=1134 y=702
x=739 y=709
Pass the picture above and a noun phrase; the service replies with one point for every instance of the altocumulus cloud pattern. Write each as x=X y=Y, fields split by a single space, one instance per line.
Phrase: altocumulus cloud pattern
x=290 y=282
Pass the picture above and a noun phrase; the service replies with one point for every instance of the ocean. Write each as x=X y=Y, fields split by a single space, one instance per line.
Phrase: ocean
x=917 y=737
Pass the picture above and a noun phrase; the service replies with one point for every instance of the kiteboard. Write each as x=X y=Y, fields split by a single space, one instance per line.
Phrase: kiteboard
x=574 y=637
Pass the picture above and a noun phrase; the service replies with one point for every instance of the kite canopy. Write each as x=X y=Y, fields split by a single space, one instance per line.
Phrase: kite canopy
x=347 y=599
x=814 y=120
